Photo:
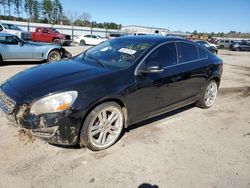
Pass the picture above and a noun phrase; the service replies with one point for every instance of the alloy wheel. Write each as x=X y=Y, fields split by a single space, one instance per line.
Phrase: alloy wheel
x=106 y=127
x=210 y=94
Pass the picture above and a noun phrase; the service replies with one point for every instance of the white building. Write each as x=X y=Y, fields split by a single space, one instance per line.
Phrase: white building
x=135 y=29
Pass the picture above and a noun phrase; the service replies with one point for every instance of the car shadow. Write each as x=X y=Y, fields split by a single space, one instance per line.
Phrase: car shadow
x=138 y=125
x=159 y=117
x=10 y=63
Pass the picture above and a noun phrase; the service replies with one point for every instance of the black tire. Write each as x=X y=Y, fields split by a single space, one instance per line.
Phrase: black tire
x=1 y=60
x=222 y=47
x=54 y=55
x=86 y=139
x=57 y=41
x=82 y=43
x=202 y=102
x=237 y=49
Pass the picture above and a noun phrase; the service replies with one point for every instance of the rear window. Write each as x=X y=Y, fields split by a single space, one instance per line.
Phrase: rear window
x=202 y=53
x=187 y=52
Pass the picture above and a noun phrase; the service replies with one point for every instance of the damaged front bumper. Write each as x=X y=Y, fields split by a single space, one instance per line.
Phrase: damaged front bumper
x=55 y=128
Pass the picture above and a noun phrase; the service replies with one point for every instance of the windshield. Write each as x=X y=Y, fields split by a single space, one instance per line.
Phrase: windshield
x=117 y=53
x=54 y=30
x=10 y=26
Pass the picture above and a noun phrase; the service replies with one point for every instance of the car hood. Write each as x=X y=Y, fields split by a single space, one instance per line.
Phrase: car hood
x=53 y=77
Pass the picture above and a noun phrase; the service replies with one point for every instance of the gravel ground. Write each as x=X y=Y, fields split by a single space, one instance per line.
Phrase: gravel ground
x=190 y=147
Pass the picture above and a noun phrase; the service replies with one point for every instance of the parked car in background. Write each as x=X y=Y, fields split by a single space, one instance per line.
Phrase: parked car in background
x=14 y=29
x=115 y=35
x=140 y=33
x=208 y=46
x=225 y=43
x=89 y=40
x=93 y=97
x=12 y=48
x=50 y=35
x=240 y=46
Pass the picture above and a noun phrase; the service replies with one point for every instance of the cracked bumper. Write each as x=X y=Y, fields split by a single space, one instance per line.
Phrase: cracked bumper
x=56 y=128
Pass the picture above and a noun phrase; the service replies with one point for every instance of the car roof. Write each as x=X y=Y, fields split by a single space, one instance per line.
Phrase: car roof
x=200 y=41
x=2 y=34
x=153 y=38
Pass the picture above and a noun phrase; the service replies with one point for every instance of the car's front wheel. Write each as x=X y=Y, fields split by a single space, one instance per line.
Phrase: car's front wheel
x=208 y=95
x=102 y=127
x=54 y=55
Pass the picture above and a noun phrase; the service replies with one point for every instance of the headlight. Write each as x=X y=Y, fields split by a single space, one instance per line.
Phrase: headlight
x=54 y=103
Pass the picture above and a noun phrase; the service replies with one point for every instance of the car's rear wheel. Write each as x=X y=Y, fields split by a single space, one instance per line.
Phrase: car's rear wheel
x=102 y=127
x=82 y=43
x=57 y=41
x=208 y=95
x=54 y=55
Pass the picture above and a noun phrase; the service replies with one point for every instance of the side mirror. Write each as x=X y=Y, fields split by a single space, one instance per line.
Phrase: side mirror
x=152 y=69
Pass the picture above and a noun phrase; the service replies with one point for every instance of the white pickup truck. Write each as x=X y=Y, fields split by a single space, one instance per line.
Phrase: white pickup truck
x=15 y=30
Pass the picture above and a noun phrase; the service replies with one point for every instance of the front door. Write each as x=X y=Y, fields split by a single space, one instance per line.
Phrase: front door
x=158 y=89
x=14 y=50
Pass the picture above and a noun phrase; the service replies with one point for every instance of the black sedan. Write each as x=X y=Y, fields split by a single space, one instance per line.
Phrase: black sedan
x=240 y=46
x=91 y=98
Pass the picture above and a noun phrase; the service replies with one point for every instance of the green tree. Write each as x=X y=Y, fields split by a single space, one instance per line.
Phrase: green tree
x=36 y=10
x=3 y=3
x=9 y=3
x=47 y=9
x=195 y=32
x=57 y=12
x=18 y=5
x=28 y=7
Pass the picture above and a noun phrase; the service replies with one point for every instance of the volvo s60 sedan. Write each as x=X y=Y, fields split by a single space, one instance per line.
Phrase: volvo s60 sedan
x=12 y=48
x=90 y=99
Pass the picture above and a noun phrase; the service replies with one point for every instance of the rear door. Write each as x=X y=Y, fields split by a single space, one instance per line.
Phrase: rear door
x=193 y=60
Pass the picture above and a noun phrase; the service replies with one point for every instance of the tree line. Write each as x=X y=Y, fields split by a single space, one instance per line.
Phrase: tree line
x=230 y=34
x=48 y=11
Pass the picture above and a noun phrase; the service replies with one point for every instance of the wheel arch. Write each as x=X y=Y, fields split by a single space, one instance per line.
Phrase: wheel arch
x=216 y=78
x=52 y=49
x=55 y=38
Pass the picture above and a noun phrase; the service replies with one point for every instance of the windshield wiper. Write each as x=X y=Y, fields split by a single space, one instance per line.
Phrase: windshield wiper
x=97 y=61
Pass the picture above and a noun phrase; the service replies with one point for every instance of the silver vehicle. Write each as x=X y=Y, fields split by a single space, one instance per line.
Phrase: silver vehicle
x=12 y=48
x=14 y=29
x=225 y=43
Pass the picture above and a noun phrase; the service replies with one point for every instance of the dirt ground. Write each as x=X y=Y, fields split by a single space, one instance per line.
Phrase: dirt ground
x=190 y=147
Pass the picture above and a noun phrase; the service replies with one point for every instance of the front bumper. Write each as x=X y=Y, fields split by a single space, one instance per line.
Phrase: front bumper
x=56 y=128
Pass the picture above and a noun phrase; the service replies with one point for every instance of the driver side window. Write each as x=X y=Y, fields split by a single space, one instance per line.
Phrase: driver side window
x=164 y=56
x=8 y=40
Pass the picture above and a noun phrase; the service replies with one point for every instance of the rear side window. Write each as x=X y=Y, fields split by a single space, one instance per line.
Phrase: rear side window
x=187 y=52
x=164 y=55
x=202 y=53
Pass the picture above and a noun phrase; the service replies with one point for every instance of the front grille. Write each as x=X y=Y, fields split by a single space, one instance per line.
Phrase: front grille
x=6 y=103
x=26 y=36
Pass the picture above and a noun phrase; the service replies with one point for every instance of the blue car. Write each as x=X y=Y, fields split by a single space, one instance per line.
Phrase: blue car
x=12 y=48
